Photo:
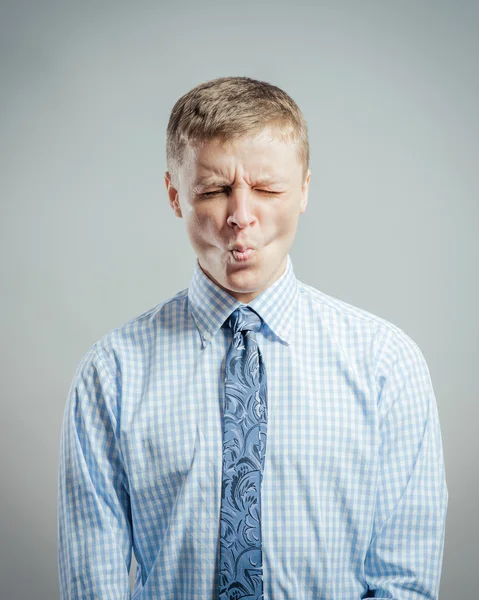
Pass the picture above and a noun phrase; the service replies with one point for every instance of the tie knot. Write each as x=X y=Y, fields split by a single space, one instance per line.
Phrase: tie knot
x=244 y=319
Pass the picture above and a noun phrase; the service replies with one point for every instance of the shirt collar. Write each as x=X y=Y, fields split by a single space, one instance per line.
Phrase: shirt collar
x=210 y=305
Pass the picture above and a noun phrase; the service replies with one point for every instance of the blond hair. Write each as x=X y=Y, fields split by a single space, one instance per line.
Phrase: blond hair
x=229 y=108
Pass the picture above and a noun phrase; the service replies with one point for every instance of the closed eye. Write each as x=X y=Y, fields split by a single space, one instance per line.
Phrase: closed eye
x=216 y=192
x=208 y=194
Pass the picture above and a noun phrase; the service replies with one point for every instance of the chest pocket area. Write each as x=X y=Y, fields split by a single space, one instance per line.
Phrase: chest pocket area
x=162 y=449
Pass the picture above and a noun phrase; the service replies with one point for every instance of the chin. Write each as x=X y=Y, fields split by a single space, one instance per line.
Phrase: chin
x=241 y=282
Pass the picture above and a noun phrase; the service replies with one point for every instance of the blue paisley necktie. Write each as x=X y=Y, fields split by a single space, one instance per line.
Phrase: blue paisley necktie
x=244 y=449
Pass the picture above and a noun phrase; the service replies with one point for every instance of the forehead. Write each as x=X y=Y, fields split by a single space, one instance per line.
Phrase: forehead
x=265 y=154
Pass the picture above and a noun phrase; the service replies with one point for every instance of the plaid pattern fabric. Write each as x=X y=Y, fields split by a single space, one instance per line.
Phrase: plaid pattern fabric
x=354 y=495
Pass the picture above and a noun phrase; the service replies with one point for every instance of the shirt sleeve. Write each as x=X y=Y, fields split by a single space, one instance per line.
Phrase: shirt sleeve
x=404 y=559
x=94 y=516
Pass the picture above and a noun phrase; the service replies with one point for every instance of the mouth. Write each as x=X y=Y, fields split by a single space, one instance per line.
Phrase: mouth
x=242 y=253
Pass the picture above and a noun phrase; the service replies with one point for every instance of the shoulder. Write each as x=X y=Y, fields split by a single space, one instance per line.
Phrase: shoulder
x=131 y=342
x=142 y=326
x=329 y=306
x=122 y=355
x=386 y=342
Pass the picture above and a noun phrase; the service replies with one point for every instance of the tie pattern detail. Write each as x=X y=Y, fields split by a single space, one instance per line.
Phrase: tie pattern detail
x=244 y=450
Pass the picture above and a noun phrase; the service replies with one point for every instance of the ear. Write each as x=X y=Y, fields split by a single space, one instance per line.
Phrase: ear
x=173 y=196
x=304 y=193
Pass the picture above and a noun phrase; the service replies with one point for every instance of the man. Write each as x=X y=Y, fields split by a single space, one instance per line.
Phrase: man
x=250 y=437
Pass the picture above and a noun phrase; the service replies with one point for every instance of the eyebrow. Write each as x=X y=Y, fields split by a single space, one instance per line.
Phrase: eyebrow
x=214 y=181
x=211 y=181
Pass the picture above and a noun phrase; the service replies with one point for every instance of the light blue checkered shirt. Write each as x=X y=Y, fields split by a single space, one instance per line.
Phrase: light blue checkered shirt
x=354 y=494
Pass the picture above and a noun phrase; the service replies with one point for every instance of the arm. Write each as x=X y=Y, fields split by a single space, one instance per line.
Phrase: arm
x=404 y=559
x=94 y=523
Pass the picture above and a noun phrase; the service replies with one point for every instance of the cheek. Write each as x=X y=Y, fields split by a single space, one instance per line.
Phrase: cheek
x=283 y=220
x=203 y=224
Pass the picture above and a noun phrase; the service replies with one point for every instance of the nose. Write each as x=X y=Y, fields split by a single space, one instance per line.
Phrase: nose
x=240 y=208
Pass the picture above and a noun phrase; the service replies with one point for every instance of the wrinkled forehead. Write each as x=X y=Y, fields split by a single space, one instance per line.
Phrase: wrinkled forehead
x=268 y=133
x=268 y=153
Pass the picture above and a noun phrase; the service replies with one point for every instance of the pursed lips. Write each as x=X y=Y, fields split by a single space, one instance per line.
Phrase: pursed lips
x=242 y=252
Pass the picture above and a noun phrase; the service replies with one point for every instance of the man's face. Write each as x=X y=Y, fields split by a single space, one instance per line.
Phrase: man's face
x=245 y=194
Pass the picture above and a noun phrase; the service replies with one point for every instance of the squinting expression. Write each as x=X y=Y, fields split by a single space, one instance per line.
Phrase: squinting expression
x=241 y=202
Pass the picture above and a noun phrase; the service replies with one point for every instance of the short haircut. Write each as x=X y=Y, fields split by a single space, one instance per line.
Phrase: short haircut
x=229 y=108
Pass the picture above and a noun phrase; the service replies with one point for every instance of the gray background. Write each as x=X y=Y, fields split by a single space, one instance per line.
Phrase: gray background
x=390 y=91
